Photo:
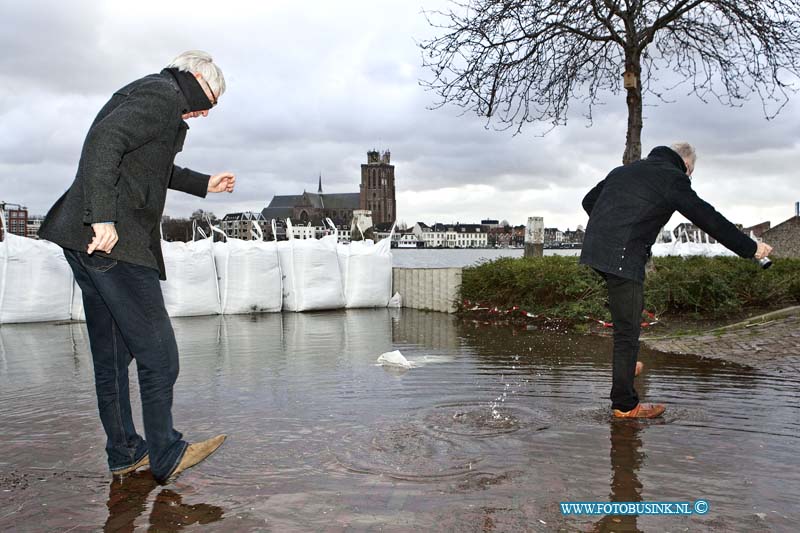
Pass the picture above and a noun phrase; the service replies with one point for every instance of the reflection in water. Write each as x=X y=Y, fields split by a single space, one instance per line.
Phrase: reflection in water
x=626 y=460
x=127 y=500
x=436 y=331
x=171 y=514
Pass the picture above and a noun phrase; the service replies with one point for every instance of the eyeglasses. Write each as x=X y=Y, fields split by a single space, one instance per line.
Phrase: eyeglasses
x=214 y=102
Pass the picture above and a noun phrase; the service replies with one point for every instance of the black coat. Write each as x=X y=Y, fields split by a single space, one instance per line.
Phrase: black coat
x=126 y=167
x=628 y=209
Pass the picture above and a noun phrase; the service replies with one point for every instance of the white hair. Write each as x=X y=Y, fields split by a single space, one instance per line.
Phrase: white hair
x=686 y=151
x=199 y=62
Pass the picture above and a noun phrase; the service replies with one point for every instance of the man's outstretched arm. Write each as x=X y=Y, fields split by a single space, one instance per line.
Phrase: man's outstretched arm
x=704 y=216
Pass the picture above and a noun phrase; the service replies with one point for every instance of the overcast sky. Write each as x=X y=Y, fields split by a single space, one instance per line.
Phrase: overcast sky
x=313 y=85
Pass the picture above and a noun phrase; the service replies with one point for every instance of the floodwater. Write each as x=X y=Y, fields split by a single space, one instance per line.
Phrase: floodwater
x=489 y=432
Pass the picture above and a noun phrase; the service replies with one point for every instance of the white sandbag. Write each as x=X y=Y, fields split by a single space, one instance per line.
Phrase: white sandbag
x=35 y=280
x=249 y=275
x=77 y=312
x=366 y=272
x=191 y=285
x=311 y=273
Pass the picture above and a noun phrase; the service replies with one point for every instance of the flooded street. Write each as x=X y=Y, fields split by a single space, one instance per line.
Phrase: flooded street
x=489 y=432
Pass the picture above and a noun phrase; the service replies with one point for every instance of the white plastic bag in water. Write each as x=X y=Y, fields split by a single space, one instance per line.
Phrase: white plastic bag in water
x=395 y=358
x=396 y=301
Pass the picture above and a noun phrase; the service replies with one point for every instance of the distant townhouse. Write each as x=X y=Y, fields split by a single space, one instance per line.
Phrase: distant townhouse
x=34 y=222
x=428 y=236
x=499 y=237
x=574 y=237
x=468 y=236
x=553 y=237
x=241 y=225
x=452 y=235
x=16 y=219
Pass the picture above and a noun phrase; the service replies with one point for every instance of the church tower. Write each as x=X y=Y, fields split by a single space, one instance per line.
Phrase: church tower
x=377 y=187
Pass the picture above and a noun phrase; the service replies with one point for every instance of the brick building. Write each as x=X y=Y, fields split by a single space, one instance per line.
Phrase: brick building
x=785 y=238
x=377 y=192
x=16 y=216
x=758 y=230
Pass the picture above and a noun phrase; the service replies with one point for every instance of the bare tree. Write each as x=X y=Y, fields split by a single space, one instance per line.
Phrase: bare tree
x=518 y=61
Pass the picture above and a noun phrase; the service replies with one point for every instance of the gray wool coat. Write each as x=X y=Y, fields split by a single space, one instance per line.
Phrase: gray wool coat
x=125 y=169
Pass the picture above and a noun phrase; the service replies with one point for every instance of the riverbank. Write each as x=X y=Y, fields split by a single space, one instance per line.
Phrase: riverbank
x=769 y=342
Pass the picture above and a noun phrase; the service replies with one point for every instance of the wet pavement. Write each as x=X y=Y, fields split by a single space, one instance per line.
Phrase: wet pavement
x=769 y=343
x=492 y=429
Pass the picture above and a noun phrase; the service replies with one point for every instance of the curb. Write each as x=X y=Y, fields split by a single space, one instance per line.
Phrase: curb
x=761 y=319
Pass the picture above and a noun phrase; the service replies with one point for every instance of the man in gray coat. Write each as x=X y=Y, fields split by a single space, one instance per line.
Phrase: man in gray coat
x=108 y=224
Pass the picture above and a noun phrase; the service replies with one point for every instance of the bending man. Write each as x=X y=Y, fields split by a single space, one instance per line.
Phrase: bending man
x=108 y=224
x=626 y=212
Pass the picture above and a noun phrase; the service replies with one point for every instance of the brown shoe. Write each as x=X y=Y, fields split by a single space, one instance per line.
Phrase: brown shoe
x=198 y=452
x=639 y=368
x=643 y=410
x=144 y=461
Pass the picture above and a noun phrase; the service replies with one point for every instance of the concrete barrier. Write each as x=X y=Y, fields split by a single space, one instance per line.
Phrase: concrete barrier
x=435 y=289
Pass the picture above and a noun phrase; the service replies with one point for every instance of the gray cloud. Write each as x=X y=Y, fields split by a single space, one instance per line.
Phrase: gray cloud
x=313 y=86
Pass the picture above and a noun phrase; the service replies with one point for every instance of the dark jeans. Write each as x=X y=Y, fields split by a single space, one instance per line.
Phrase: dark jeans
x=626 y=300
x=126 y=320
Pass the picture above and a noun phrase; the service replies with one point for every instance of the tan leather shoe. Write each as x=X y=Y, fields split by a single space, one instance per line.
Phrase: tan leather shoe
x=144 y=461
x=643 y=410
x=639 y=368
x=198 y=452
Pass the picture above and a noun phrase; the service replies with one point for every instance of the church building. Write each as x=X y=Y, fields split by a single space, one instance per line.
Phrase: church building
x=377 y=194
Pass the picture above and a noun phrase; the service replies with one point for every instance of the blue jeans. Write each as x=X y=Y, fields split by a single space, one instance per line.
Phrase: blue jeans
x=127 y=320
x=626 y=302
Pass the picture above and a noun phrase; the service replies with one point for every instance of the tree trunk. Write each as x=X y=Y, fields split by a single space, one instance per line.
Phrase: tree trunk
x=633 y=140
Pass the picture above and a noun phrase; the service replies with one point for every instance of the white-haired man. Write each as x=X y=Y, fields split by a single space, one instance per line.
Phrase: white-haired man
x=108 y=224
x=626 y=212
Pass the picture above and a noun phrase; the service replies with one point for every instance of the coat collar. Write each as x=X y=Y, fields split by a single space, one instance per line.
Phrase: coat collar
x=193 y=96
x=665 y=153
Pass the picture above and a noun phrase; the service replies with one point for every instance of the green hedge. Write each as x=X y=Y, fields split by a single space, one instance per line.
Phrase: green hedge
x=705 y=287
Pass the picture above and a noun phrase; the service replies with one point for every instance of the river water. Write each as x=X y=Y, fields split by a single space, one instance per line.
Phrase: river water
x=463 y=257
x=489 y=432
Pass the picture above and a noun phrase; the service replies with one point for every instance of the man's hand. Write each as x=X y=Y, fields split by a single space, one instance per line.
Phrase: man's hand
x=105 y=237
x=763 y=250
x=222 y=182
